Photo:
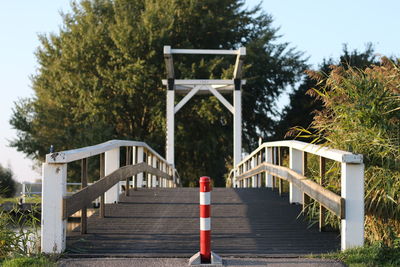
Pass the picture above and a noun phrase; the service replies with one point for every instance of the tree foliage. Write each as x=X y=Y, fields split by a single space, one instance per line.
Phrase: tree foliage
x=99 y=78
x=7 y=183
x=302 y=107
x=361 y=114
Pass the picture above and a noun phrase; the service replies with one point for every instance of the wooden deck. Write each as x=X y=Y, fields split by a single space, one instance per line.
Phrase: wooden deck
x=165 y=223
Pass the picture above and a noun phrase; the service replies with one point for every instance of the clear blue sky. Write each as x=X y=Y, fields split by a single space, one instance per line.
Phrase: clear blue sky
x=319 y=28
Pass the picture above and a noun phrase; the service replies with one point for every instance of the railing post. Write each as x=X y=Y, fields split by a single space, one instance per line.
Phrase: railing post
x=102 y=197
x=140 y=158
x=322 y=210
x=352 y=226
x=53 y=226
x=253 y=178
x=134 y=161
x=84 y=182
x=154 y=165
x=268 y=159
x=112 y=164
x=296 y=164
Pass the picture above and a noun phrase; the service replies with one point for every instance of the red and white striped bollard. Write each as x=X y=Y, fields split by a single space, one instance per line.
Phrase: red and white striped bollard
x=205 y=220
x=205 y=255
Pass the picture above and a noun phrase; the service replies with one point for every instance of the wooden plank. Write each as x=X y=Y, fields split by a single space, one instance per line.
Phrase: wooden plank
x=85 y=196
x=328 y=199
x=84 y=172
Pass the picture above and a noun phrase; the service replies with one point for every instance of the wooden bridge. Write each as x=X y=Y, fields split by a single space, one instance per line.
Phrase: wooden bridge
x=159 y=218
x=156 y=217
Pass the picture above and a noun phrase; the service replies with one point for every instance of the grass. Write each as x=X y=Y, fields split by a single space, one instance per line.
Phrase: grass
x=37 y=261
x=368 y=256
x=34 y=199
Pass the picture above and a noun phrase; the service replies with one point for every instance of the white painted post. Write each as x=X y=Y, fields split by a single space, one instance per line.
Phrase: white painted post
x=140 y=158
x=352 y=183
x=134 y=161
x=253 y=178
x=296 y=164
x=154 y=178
x=170 y=126
x=268 y=159
x=111 y=163
x=237 y=128
x=53 y=227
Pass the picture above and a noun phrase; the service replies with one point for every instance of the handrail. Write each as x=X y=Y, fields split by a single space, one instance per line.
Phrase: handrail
x=85 y=196
x=319 y=150
x=266 y=161
x=328 y=199
x=89 y=151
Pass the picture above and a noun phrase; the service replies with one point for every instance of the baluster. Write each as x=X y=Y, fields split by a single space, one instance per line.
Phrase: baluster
x=322 y=210
x=102 y=198
x=306 y=198
x=127 y=162
x=84 y=181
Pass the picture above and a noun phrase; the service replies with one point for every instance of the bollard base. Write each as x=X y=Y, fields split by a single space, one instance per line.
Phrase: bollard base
x=215 y=260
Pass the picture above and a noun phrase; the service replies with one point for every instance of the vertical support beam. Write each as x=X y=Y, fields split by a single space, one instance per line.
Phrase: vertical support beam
x=237 y=125
x=170 y=122
x=128 y=156
x=296 y=164
x=53 y=227
x=154 y=177
x=140 y=159
x=111 y=164
x=102 y=211
x=352 y=186
x=280 y=181
x=134 y=161
x=274 y=161
x=268 y=159
x=322 y=210
x=84 y=182
x=306 y=198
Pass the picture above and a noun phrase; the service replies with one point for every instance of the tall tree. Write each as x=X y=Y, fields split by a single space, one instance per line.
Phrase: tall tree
x=7 y=183
x=99 y=78
x=302 y=107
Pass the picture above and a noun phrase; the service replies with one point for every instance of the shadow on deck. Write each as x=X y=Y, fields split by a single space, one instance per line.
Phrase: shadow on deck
x=165 y=223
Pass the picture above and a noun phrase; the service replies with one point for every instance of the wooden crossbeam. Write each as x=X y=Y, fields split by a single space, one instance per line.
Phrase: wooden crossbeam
x=328 y=199
x=85 y=196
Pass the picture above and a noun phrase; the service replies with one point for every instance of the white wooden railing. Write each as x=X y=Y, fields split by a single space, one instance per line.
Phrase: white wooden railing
x=143 y=167
x=266 y=162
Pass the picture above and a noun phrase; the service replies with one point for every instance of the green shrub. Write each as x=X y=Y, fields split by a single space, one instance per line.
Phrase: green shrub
x=362 y=115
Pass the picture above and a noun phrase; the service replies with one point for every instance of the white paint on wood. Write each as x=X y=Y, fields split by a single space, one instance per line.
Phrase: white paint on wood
x=352 y=186
x=205 y=51
x=221 y=99
x=296 y=164
x=140 y=159
x=268 y=159
x=53 y=227
x=186 y=98
x=334 y=154
x=170 y=127
x=111 y=163
x=237 y=128
x=202 y=82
